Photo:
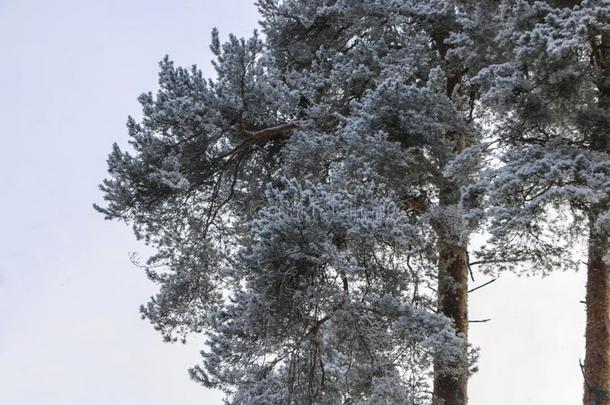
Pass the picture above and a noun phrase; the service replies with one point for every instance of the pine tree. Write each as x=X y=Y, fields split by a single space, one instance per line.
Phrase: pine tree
x=304 y=202
x=403 y=69
x=551 y=113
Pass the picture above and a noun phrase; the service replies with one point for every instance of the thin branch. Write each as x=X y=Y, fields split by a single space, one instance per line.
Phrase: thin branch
x=469 y=266
x=314 y=329
x=268 y=133
x=482 y=285
x=596 y=390
x=480 y=262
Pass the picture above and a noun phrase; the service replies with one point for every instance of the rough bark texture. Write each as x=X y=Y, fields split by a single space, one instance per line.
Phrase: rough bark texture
x=596 y=369
x=597 y=358
x=453 y=303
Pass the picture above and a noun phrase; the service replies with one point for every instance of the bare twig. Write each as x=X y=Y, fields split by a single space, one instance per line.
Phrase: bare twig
x=482 y=285
x=469 y=266
x=596 y=390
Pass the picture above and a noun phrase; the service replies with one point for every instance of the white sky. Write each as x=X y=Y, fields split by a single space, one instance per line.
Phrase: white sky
x=70 y=331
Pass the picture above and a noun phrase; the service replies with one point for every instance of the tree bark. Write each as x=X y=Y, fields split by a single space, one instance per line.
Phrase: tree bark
x=452 y=302
x=452 y=293
x=596 y=369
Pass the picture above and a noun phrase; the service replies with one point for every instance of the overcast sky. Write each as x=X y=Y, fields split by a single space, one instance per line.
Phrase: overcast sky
x=70 y=330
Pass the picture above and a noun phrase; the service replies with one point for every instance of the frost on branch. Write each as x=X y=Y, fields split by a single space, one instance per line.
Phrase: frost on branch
x=550 y=103
x=294 y=200
x=326 y=310
x=536 y=203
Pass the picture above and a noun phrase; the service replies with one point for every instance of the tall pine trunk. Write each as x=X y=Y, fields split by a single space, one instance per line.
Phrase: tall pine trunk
x=452 y=297
x=597 y=352
x=452 y=289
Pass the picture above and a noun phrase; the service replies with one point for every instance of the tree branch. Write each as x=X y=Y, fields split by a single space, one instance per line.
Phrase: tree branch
x=482 y=285
x=267 y=133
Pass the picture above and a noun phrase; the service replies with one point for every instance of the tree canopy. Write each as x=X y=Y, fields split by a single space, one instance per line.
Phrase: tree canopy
x=311 y=206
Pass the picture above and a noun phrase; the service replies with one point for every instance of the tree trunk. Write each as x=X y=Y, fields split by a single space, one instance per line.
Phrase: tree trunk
x=596 y=369
x=453 y=303
x=597 y=354
x=452 y=294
